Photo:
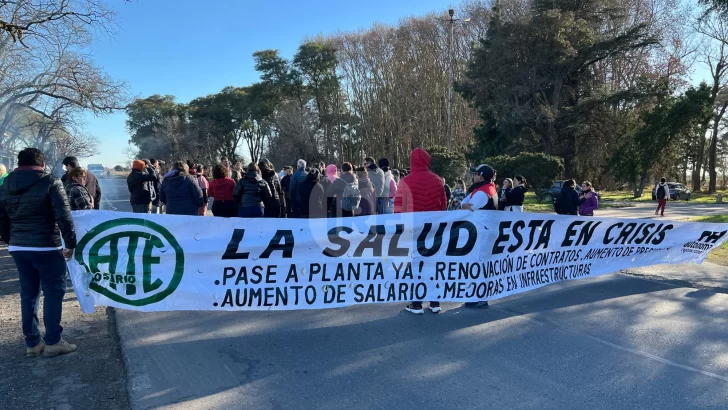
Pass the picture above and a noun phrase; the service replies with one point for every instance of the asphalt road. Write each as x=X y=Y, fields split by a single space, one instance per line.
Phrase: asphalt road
x=616 y=341
x=610 y=342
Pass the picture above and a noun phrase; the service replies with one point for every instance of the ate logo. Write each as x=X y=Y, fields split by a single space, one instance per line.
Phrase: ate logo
x=125 y=258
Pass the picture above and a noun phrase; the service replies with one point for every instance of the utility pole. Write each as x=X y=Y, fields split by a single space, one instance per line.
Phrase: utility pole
x=451 y=12
x=450 y=51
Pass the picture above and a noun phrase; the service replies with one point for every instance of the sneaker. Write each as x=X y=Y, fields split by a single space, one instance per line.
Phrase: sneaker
x=35 y=351
x=435 y=309
x=417 y=310
x=481 y=304
x=62 y=347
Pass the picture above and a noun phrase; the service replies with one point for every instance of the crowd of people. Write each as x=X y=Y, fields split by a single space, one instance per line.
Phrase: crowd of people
x=35 y=209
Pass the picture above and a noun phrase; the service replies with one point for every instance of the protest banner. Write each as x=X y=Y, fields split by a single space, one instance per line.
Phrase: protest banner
x=164 y=262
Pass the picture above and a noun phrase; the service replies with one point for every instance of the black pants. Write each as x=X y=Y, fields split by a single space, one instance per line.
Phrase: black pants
x=418 y=305
x=225 y=209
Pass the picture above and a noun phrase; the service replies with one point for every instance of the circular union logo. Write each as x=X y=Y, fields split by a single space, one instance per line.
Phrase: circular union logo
x=128 y=276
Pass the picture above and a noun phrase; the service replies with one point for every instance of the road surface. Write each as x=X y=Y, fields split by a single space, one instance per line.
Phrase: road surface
x=616 y=341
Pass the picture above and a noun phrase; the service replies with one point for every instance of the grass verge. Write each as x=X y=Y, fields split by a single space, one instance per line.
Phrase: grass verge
x=720 y=255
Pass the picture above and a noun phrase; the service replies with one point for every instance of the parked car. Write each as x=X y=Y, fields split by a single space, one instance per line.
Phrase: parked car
x=555 y=191
x=678 y=191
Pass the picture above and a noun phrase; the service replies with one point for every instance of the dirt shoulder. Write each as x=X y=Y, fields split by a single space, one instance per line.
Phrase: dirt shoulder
x=91 y=378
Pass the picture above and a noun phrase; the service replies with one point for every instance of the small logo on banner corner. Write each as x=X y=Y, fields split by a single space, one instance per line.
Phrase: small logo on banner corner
x=127 y=276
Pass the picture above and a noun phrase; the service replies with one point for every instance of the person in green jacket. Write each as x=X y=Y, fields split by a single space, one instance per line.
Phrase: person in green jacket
x=3 y=173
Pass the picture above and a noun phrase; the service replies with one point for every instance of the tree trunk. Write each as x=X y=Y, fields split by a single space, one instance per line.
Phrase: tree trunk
x=713 y=151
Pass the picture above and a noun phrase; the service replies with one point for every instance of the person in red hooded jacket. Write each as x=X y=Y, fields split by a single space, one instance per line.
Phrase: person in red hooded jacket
x=420 y=191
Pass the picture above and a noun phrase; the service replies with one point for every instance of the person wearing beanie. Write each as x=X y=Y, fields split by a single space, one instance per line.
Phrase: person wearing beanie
x=376 y=176
x=141 y=182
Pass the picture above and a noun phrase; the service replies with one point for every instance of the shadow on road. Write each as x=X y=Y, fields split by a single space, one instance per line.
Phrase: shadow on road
x=614 y=342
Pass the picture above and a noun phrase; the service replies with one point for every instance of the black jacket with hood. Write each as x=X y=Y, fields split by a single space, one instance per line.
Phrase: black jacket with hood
x=251 y=191
x=141 y=186
x=181 y=194
x=570 y=201
x=33 y=206
x=275 y=206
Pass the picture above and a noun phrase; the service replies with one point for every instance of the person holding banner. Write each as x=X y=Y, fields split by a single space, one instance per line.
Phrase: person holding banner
x=481 y=195
x=34 y=215
x=420 y=191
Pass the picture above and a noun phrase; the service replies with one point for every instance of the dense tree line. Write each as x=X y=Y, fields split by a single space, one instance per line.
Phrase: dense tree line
x=601 y=84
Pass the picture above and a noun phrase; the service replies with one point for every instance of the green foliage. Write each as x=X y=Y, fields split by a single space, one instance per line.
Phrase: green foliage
x=118 y=168
x=532 y=78
x=449 y=165
x=539 y=169
x=664 y=118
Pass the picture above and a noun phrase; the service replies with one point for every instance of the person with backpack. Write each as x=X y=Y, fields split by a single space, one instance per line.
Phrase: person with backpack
x=662 y=194
x=345 y=193
x=517 y=195
x=420 y=191
x=591 y=202
x=569 y=201
x=481 y=196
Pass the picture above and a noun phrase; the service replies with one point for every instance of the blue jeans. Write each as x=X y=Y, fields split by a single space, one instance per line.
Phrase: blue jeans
x=382 y=205
x=250 y=212
x=47 y=270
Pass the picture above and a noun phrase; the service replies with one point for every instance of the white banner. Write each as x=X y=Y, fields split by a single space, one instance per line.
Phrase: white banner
x=164 y=262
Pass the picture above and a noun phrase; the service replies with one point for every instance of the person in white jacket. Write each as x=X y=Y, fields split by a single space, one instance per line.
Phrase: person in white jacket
x=662 y=194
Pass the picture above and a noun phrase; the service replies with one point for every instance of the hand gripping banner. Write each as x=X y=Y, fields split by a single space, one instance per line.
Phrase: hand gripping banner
x=164 y=262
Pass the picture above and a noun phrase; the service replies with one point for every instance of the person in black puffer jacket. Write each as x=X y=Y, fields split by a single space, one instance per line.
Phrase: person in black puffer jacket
x=569 y=202
x=251 y=193
x=313 y=197
x=141 y=182
x=33 y=209
x=180 y=191
x=276 y=205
